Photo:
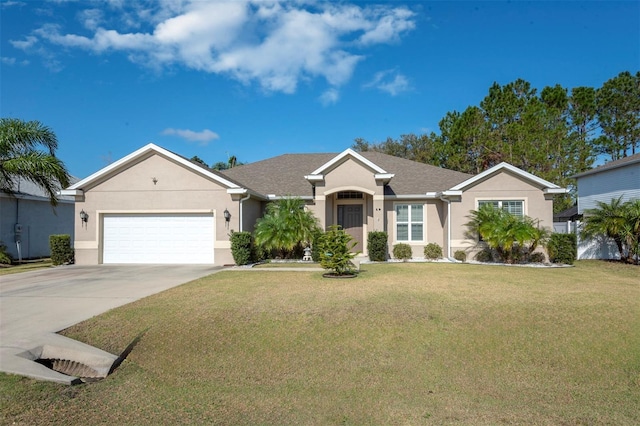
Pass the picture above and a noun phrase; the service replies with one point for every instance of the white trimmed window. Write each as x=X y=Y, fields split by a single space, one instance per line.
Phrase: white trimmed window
x=409 y=222
x=515 y=207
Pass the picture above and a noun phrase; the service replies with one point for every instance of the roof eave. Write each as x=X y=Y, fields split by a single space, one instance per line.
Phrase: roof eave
x=141 y=152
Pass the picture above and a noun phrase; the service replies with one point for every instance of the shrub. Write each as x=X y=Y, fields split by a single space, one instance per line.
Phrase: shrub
x=5 y=258
x=537 y=257
x=316 y=243
x=61 y=251
x=460 y=255
x=433 y=251
x=242 y=247
x=563 y=248
x=377 y=246
x=402 y=251
x=509 y=237
x=335 y=251
x=484 y=255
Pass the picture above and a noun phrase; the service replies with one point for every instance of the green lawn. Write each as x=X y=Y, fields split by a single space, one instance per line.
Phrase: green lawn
x=25 y=267
x=412 y=343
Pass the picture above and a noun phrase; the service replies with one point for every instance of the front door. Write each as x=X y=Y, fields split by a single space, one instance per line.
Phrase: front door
x=350 y=219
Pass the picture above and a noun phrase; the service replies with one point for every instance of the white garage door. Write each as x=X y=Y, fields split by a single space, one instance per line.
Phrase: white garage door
x=158 y=238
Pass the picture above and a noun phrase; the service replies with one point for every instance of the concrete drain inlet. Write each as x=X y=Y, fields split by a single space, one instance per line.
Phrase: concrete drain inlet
x=71 y=362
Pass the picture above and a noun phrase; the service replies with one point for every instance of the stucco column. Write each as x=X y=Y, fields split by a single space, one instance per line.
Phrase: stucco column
x=378 y=213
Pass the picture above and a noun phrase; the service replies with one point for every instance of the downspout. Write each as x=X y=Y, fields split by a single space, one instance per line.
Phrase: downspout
x=242 y=200
x=448 y=201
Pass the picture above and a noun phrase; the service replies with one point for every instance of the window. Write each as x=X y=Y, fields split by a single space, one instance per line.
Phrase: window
x=345 y=195
x=409 y=222
x=515 y=207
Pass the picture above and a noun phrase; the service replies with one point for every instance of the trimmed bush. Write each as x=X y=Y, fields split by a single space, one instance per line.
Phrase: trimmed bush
x=377 y=246
x=460 y=256
x=433 y=251
x=61 y=251
x=316 y=244
x=402 y=251
x=242 y=247
x=563 y=248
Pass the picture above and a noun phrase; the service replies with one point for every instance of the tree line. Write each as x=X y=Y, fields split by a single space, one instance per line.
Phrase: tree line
x=554 y=133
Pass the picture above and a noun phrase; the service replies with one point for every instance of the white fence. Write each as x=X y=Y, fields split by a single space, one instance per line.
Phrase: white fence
x=597 y=248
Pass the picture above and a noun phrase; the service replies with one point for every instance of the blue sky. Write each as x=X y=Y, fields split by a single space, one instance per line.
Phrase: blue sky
x=263 y=78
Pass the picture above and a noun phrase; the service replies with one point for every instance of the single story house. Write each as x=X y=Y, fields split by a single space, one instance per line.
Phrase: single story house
x=27 y=219
x=619 y=178
x=154 y=206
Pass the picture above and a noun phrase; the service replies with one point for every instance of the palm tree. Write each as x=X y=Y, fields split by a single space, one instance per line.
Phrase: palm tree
x=607 y=220
x=512 y=237
x=285 y=227
x=27 y=151
x=631 y=232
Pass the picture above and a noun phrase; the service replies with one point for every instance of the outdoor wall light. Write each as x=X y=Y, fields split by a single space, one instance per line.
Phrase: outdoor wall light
x=84 y=217
x=227 y=215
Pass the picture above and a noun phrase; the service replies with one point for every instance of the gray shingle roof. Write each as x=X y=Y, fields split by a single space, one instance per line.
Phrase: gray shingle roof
x=284 y=174
x=611 y=165
x=24 y=187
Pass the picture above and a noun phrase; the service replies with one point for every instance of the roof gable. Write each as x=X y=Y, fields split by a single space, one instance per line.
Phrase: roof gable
x=137 y=156
x=342 y=157
x=547 y=186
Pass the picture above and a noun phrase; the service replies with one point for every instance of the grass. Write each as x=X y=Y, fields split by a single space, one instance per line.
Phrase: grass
x=405 y=343
x=287 y=265
x=25 y=267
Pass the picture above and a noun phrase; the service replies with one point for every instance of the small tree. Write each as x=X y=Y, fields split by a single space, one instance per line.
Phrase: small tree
x=335 y=247
x=511 y=237
x=286 y=228
x=618 y=221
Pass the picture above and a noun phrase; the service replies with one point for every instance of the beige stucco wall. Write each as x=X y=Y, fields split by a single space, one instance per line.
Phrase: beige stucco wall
x=349 y=176
x=176 y=190
x=502 y=186
x=434 y=221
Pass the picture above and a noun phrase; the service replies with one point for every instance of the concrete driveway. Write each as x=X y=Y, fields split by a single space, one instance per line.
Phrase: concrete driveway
x=35 y=305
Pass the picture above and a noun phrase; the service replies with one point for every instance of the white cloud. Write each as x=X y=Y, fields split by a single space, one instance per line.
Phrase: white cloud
x=25 y=44
x=329 y=97
x=91 y=18
x=12 y=3
x=390 y=81
x=275 y=44
x=389 y=27
x=12 y=61
x=203 y=137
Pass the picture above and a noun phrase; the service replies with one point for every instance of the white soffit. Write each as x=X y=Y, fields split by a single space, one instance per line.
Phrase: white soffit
x=338 y=158
x=549 y=187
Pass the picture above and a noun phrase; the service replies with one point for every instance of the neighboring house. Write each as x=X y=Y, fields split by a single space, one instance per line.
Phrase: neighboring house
x=566 y=221
x=619 y=178
x=154 y=206
x=27 y=219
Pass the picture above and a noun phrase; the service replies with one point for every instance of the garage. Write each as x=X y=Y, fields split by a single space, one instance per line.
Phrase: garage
x=158 y=238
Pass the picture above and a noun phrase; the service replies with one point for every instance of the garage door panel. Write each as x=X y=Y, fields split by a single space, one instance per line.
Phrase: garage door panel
x=184 y=238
